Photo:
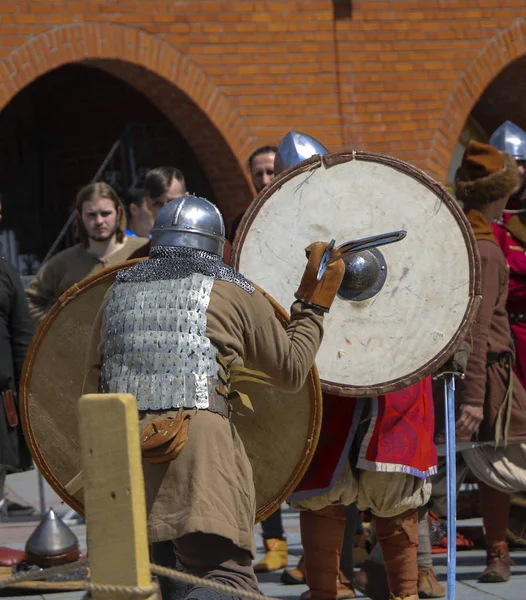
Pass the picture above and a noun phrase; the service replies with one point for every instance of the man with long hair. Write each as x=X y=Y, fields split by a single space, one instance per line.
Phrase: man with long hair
x=100 y=223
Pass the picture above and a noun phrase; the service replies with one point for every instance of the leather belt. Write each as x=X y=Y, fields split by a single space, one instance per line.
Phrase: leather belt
x=504 y=359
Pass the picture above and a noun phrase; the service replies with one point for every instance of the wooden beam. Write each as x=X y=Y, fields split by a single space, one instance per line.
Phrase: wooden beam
x=114 y=498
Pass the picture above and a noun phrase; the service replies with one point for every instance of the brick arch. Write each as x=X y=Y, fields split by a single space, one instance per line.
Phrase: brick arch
x=501 y=50
x=200 y=111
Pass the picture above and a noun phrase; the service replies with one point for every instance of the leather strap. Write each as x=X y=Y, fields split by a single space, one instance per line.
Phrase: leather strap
x=502 y=425
x=503 y=358
x=219 y=405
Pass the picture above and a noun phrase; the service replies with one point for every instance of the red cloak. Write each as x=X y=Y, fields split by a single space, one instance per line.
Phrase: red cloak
x=399 y=437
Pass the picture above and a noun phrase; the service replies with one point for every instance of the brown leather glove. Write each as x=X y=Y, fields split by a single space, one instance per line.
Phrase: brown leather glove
x=320 y=294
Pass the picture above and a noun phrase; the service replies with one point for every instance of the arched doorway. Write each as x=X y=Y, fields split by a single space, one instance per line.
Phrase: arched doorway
x=68 y=93
x=489 y=92
x=58 y=131
x=502 y=100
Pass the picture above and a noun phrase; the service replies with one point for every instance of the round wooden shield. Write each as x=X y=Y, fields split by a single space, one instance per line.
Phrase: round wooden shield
x=53 y=378
x=426 y=297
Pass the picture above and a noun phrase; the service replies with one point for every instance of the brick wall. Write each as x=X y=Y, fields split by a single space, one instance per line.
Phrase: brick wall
x=399 y=77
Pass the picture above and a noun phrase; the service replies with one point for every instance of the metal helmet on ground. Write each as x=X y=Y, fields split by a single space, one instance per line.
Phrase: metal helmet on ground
x=294 y=148
x=510 y=138
x=190 y=222
x=52 y=542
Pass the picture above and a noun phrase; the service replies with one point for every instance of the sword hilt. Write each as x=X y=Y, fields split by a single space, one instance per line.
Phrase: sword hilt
x=442 y=374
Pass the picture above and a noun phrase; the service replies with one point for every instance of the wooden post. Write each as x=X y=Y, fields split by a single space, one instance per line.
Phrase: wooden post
x=114 y=497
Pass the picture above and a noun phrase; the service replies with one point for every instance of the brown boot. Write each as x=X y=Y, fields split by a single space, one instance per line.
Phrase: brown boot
x=499 y=562
x=322 y=539
x=345 y=587
x=398 y=538
x=344 y=591
x=428 y=585
x=296 y=575
x=276 y=556
x=372 y=581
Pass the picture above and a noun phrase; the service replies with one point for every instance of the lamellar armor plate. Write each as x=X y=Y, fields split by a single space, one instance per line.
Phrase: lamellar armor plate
x=157 y=347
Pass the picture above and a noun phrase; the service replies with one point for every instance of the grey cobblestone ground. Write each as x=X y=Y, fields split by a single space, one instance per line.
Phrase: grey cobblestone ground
x=470 y=563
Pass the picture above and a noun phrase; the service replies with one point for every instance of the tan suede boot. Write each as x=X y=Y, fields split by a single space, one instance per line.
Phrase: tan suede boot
x=345 y=587
x=296 y=575
x=276 y=556
x=495 y=514
x=371 y=580
x=344 y=591
x=499 y=563
x=428 y=584
x=322 y=539
x=398 y=538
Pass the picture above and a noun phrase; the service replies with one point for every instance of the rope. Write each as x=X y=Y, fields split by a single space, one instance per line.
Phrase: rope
x=137 y=591
x=125 y=590
x=208 y=583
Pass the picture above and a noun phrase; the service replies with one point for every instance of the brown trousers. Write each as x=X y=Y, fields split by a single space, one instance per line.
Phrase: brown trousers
x=213 y=557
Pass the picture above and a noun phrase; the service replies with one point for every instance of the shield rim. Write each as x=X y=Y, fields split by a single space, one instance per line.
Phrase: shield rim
x=42 y=464
x=475 y=283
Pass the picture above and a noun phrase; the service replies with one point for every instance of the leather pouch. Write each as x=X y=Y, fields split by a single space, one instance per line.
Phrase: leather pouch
x=163 y=439
x=11 y=414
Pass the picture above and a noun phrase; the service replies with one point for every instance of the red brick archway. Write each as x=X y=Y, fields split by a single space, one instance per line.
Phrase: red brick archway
x=201 y=112
x=501 y=50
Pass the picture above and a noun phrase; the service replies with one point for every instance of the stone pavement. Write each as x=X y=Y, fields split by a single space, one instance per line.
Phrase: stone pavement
x=470 y=563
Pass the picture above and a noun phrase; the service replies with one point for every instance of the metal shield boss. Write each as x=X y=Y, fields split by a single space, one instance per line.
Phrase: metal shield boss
x=403 y=308
x=53 y=380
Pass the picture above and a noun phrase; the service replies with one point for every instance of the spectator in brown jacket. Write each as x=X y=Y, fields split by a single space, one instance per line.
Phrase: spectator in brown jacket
x=101 y=223
x=491 y=403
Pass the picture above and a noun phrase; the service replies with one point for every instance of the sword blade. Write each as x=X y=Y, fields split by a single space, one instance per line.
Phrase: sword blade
x=451 y=477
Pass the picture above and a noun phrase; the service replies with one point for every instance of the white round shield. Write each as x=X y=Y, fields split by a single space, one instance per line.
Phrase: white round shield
x=419 y=296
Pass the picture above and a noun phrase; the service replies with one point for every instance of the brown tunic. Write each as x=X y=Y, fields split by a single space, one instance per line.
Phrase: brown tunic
x=209 y=487
x=486 y=384
x=67 y=268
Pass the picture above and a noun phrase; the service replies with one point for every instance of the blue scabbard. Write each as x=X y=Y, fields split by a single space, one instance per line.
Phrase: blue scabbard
x=451 y=474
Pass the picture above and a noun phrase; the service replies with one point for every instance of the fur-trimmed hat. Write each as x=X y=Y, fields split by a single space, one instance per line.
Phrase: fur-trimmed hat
x=485 y=175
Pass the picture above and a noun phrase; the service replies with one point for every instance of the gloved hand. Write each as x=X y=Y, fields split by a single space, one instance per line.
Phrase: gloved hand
x=320 y=294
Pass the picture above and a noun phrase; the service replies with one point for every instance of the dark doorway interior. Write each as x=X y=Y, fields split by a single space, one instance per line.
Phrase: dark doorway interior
x=54 y=136
x=503 y=99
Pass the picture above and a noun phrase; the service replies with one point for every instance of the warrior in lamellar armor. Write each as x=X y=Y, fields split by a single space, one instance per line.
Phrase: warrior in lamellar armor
x=176 y=331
